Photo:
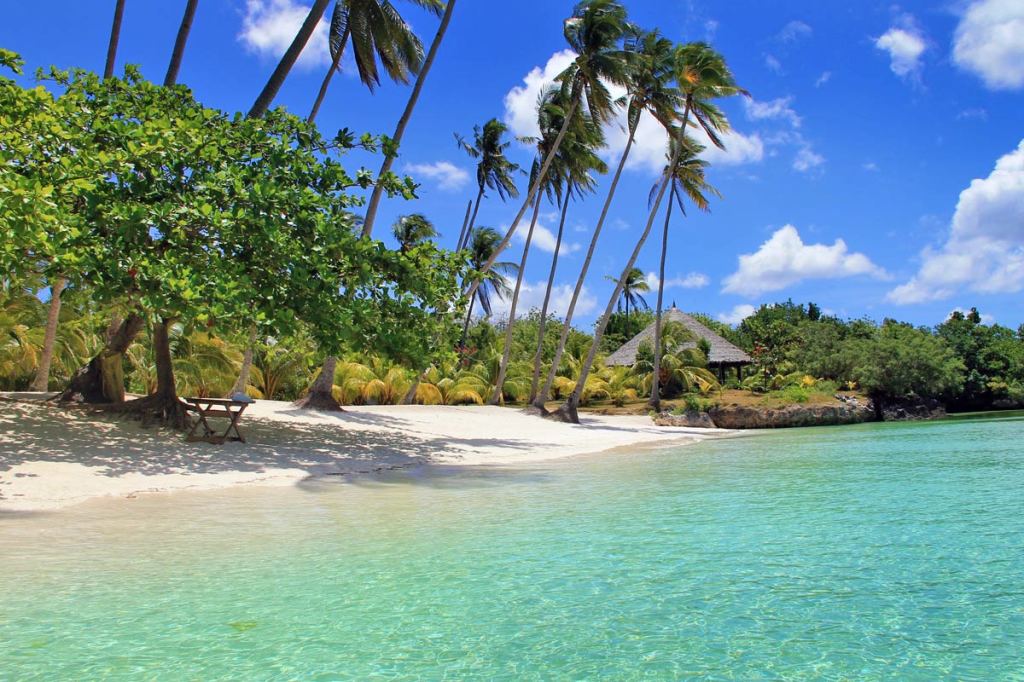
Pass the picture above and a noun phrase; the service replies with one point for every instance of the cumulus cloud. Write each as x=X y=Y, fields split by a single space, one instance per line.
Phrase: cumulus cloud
x=651 y=141
x=989 y=42
x=269 y=26
x=775 y=109
x=905 y=46
x=693 y=280
x=531 y=297
x=737 y=314
x=785 y=260
x=445 y=174
x=773 y=64
x=794 y=31
x=984 y=252
x=544 y=239
x=807 y=159
x=824 y=78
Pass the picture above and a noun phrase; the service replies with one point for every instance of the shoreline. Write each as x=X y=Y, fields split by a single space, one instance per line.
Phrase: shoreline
x=52 y=458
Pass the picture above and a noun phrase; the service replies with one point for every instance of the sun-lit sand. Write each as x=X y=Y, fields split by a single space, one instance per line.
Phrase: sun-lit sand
x=52 y=457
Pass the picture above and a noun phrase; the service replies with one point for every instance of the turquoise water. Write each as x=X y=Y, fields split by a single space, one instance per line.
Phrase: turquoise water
x=889 y=551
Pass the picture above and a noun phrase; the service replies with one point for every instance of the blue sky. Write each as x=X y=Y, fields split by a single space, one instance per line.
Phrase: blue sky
x=877 y=170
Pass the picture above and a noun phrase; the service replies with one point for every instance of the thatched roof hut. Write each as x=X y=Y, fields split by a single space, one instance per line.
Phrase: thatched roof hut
x=723 y=354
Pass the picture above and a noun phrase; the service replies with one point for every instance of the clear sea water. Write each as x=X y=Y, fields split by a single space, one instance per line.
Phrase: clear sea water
x=871 y=552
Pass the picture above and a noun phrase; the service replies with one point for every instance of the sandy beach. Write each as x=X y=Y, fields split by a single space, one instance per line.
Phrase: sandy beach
x=52 y=457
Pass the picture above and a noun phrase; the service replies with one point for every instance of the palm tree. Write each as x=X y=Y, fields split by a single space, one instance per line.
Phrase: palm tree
x=648 y=90
x=179 y=43
x=41 y=381
x=493 y=282
x=377 y=31
x=494 y=170
x=412 y=230
x=686 y=178
x=571 y=177
x=288 y=59
x=701 y=74
x=403 y=122
x=594 y=33
x=633 y=288
x=115 y=36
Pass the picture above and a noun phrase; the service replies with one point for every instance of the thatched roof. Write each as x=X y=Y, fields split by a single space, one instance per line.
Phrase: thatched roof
x=722 y=352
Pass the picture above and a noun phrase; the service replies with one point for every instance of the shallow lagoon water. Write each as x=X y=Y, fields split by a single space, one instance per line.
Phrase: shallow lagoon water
x=868 y=552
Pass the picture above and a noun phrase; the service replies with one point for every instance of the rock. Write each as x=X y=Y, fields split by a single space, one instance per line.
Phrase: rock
x=912 y=409
x=690 y=418
x=745 y=417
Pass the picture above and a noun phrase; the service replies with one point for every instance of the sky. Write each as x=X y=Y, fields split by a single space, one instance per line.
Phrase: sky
x=877 y=168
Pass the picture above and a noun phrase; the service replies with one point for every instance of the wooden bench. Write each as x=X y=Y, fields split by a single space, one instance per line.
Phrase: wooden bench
x=207 y=408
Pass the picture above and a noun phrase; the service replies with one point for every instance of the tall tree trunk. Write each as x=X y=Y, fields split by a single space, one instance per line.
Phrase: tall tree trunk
x=538 y=357
x=102 y=380
x=320 y=396
x=507 y=352
x=284 y=67
x=542 y=397
x=465 y=327
x=335 y=66
x=569 y=411
x=467 y=227
x=410 y=396
x=534 y=188
x=242 y=382
x=179 y=43
x=115 y=36
x=655 y=401
x=42 y=379
x=421 y=78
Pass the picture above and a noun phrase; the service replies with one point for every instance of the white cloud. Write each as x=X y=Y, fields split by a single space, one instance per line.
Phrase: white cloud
x=824 y=78
x=807 y=159
x=785 y=260
x=905 y=47
x=976 y=113
x=871 y=167
x=531 y=297
x=447 y=175
x=984 y=252
x=269 y=26
x=773 y=64
x=651 y=140
x=989 y=43
x=737 y=314
x=693 y=280
x=775 y=109
x=544 y=239
x=794 y=31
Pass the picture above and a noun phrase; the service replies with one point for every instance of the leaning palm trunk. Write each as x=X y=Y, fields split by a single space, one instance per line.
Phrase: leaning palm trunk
x=465 y=327
x=534 y=188
x=179 y=43
x=389 y=159
x=291 y=55
x=42 y=379
x=115 y=36
x=321 y=394
x=542 y=397
x=569 y=410
x=538 y=355
x=335 y=66
x=467 y=228
x=507 y=352
x=242 y=382
x=655 y=401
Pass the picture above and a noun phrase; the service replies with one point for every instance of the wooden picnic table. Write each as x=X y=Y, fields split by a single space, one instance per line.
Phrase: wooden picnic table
x=206 y=408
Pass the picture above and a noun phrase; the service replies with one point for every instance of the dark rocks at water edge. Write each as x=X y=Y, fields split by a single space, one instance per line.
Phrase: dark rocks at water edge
x=743 y=417
x=912 y=409
x=690 y=418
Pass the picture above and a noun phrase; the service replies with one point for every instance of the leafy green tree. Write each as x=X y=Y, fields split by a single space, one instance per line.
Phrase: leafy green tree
x=900 y=360
x=493 y=170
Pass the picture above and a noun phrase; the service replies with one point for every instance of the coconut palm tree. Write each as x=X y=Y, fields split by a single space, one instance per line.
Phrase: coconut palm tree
x=572 y=176
x=115 y=36
x=376 y=31
x=648 y=90
x=493 y=170
x=179 y=43
x=595 y=33
x=403 y=122
x=412 y=230
x=687 y=179
x=702 y=75
x=633 y=288
x=41 y=380
x=288 y=59
x=493 y=282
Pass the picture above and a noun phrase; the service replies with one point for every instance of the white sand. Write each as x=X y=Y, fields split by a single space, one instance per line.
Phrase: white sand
x=52 y=457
